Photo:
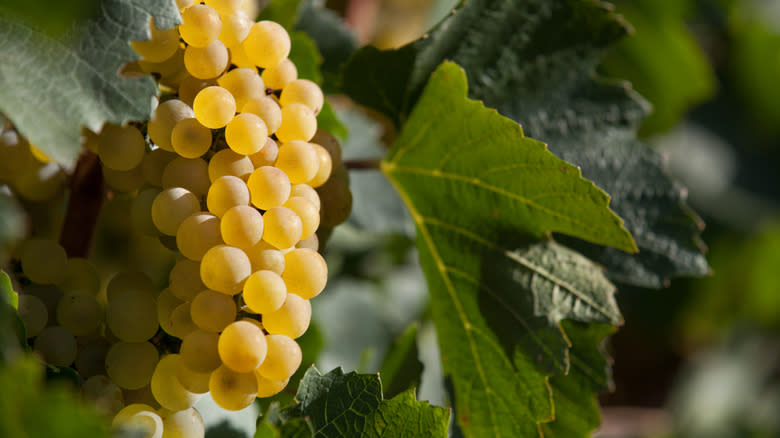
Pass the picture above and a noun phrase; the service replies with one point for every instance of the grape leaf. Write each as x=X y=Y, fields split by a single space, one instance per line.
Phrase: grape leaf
x=482 y=195
x=337 y=404
x=401 y=367
x=534 y=61
x=52 y=86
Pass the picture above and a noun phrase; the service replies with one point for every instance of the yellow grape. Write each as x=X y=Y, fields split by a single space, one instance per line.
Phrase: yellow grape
x=227 y=162
x=231 y=390
x=242 y=347
x=306 y=191
x=206 y=62
x=224 y=269
x=307 y=212
x=124 y=180
x=305 y=272
x=325 y=166
x=103 y=394
x=56 y=346
x=267 y=44
x=298 y=123
x=267 y=155
x=303 y=91
x=161 y=45
x=269 y=187
x=170 y=71
x=242 y=226
x=244 y=84
x=214 y=107
x=226 y=6
x=131 y=364
x=283 y=358
x=299 y=160
x=166 y=303
x=246 y=134
x=165 y=117
x=190 y=86
x=278 y=76
x=311 y=242
x=239 y=58
x=199 y=351
x=145 y=422
x=267 y=109
x=263 y=256
x=33 y=313
x=212 y=311
x=166 y=387
x=126 y=413
x=190 y=139
x=121 y=147
x=154 y=164
x=184 y=279
x=235 y=28
x=197 y=234
x=200 y=25
x=181 y=322
x=292 y=319
x=264 y=292
x=44 y=261
x=225 y=193
x=184 y=424
x=193 y=381
x=171 y=207
x=79 y=313
x=40 y=182
x=189 y=173
x=267 y=387
x=283 y=227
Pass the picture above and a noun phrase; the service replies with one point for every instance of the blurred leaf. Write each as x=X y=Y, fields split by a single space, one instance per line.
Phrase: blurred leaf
x=13 y=336
x=53 y=18
x=337 y=404
x=52 y=86
x=284 y=12
x=662 y=60
x=7 y=293
x=401 y=367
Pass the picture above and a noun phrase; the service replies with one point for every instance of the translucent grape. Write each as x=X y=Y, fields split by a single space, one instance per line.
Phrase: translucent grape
x=283 y=227
x=121 y=147
x=161 y=46
x=242 y=226
x=267 y=44
x=239 y=58
x=264 y=292
x=298 y=123
x=235 y=28
x=267 y=109
x=197 y=234
x=44 y=261
x=246 y=134
x=181 y=322
x=307 y=212
x=33 y=313
x=242 y=347
x=299 y=160
x=166 y=387
x=125 y=181
x=191 y=86
x=325 y=166
x=121 y=417
x=184 y=424
x=311 y=242
x=131 y=364
x=171 y=70
x=226 y=6
x=212 y=311
x=231 y=390
x=184 y=4
x=49 y=295
x=190 y=139
x=132 y=315
x=303 y=91
x=199 y=351
x=104 y=394
x=171 y=207
x=154 y=164
x=283 y=358
x=56 y=346
x=200 y=25
x=292 y=319
x=305 y=272
x=263 y=256
x=147 y=423
x=278 y=76
x=244 y=84
x=189 y=173
x=269 y=187
x=267 y=387
x=227 y=162
x=225 y=193
x=306 y=191
x=267 y=155
x=224 y=269
x=165 y=117
x=166 y=303
x=193 y=381
x=184 y=279
x=79 y=312
x=206 y=62
x=214 y=107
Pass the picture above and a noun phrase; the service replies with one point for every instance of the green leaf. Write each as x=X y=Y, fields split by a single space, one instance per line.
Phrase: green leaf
x=284 y=12
x=52 y=86
x=54 y=17
x=337 y=405
x=481 y=195
x=13 y=336
x=534 y=61
x=401 y=367
x=662 y=60
x=7 y=293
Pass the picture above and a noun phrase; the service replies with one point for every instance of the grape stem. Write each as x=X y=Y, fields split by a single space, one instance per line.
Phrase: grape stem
x=86 y=199
x=364 y=164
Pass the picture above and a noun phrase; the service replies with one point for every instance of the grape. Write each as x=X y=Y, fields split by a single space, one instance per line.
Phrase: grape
x=292 y=319
x=200 y=25
x=33 y=313
x=197 y=234
x=193 y=381
x=212 y=311
x=305 y=191
x=154 y=164
x=244 y=84
x=336 y=198
x=242 y=347
x=171 y=207
x=298 y=123
x=80 y=313
x=126 y=413
x=267 y=44
x=143 y=396
x=56 y=346
x=224 y=269
x=164 y=119
x=283 y=358
x=191 y=86
x=104 y=394
x=141 y=212
x=146 y=423
x=263 y=256
x=91 y=357
x=184 y=424
x=283 y=227
x=189 y=173
x=131 y=364
x=206 y=62
x=214 y=107
x=166 y=387
x=307 y=212
x=166 y=303
x=124 y=180
x=235 y=28
x=15 y=155
x=325 y=166
x=161 y=46
x=231 y=390
x=303 y=91
x=44 y=261
x=225 y=193
x=267 y=387
x=299 y=160
x=199 y=351
x=184 y=279
x=227 y=162
x=264 y=292
x=49 y=295
x=132 y=315
x=226 y=6
x=121 y=147
x=278 y=76
x=269 y=187
x=246 y=134
x=267 y=109
x=242 y=226
x=305 y=272
x=171 y=71
x=190 y=139
x=311 y=242
x=330 y=143
x=184 y=4
x=40 y=182
x=267 y=155
x=239 y=58
x=130 y=282
x=181 y=322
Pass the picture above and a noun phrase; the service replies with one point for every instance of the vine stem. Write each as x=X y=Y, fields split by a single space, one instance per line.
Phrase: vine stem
x=86 y=199
x=365 y=164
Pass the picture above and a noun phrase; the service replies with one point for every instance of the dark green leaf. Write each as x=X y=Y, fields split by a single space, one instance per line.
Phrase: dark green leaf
x=401 y=367
x=338 y=405
x=54 y=86
x=473 y=185
x=13 y=335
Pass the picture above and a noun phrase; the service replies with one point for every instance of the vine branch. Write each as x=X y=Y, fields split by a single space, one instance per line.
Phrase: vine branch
x=86 y=199
x=364 y=164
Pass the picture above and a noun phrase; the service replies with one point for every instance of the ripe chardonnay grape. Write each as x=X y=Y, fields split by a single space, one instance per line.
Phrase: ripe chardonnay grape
x=269 y=187
x=212 y=311
x=264 y=256
x=206 y=62
x=184 y=424
x=283 y=228
x=298 y=123
x=305 y=272
x=267 y=387
x=307 y=211
x=303 y=91
x=283 y=358
x=154 y=164
x=244 y=84
x=82 y=275
x=306 y=191
x=161 y=46
x=199 y=351
x=242 y=346
x=193 y=381
x=189 y=173
x=231 y=390
x=104 y=394
x=242 y=226
x=267 y=155
x=227 y=162
x=190 y=139
x=164 y=119
x=184 y=280
x=267 y=109
x=299 y=160
x=197 y=234
x=132 y=315
x=214 y=107
x=166 y=387
x=246 y=134
x=171 y=207
x=225 y=193
x=235 y=28
x=131 y=364
x=200 y=25
x=278 y=76
x=325 y=166
x=224 y=269
x=292 y=319
x=267 y=44
x=264 y=292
